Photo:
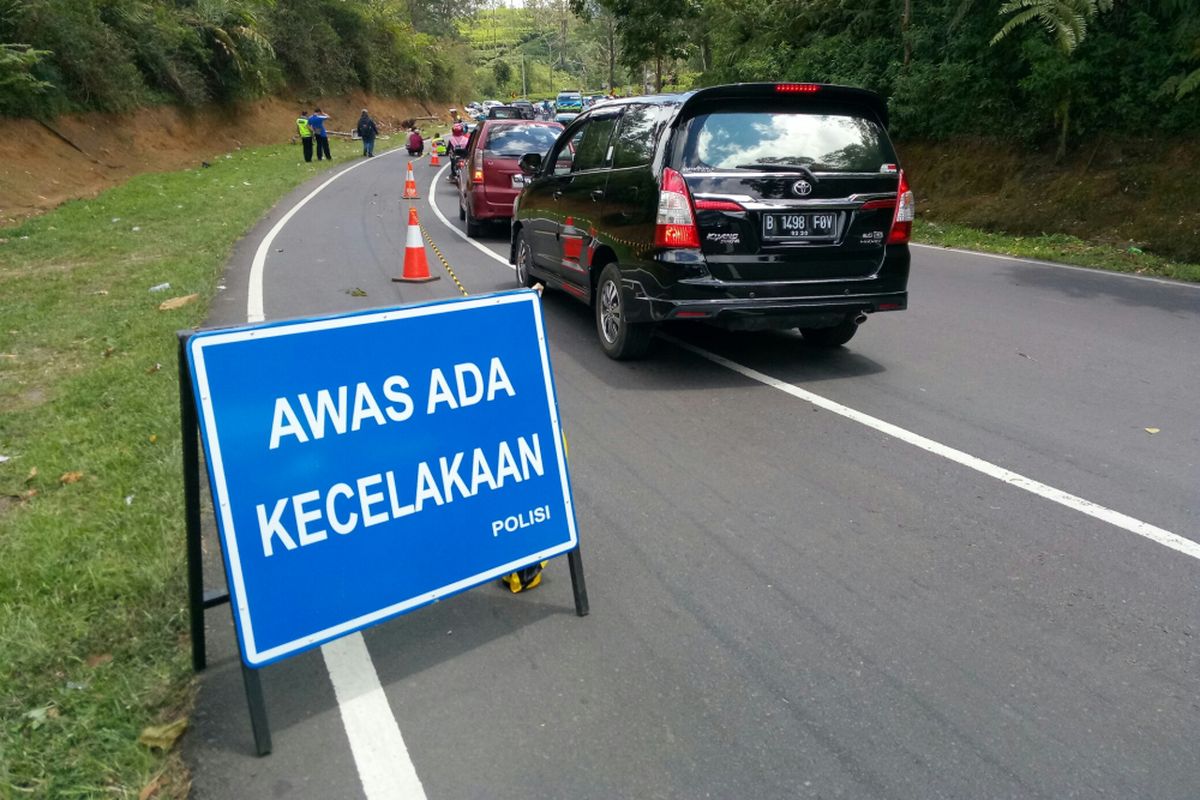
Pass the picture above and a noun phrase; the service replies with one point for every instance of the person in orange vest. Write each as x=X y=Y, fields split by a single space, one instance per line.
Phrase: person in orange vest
x=305 y=134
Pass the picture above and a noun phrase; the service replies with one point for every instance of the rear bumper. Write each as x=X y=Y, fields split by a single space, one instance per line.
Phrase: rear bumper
x=763 y=313
x=754 y=305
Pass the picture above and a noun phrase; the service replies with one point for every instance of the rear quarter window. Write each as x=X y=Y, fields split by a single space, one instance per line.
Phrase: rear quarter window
x=828 y=140
x=637 y=136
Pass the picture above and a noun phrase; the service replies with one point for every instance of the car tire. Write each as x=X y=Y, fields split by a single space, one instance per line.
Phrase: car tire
x=620 y=339
x=836 y=336
x=473 y=226
x=462 y=212
x=524 y=262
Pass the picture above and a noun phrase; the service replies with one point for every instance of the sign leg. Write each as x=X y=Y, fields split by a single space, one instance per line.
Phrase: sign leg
x=188 y=423
x=575 y=561
x=258 y=710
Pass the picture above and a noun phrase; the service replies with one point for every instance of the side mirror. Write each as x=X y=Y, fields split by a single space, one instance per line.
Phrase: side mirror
x=530 y=163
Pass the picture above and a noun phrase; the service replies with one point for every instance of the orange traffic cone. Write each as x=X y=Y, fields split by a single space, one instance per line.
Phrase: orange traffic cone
x=410 y=185
x=416 y=267
x=433 y=159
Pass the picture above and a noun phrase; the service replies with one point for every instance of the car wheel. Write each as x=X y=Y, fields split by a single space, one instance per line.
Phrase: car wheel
x=619 y=338
x=462 y=212
x=473 y=226
x=524 y=261
x=836 y=336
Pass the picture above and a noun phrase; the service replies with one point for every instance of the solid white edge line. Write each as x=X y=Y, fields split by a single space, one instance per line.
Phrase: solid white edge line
x=433 y=184
x=254 y=295
x=380 y=755
x=1056 y=265
x=384 y=766
x=1123 y=521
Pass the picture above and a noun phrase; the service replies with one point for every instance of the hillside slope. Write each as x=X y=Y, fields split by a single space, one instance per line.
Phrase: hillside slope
x=80 y=155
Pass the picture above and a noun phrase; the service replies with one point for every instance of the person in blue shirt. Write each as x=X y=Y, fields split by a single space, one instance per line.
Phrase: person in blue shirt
x=317 y=123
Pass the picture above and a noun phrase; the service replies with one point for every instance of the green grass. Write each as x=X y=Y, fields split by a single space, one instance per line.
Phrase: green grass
x=93 y=628
x=1055 y=247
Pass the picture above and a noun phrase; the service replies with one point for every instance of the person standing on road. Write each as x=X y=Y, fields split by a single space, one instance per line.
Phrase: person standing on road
x=367 y=131
x=305 y=134
x=317 y=123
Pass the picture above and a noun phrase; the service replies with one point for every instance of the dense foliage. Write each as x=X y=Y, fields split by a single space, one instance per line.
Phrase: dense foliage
x=1031 y=70
x=115 y=55
x=1109 y=68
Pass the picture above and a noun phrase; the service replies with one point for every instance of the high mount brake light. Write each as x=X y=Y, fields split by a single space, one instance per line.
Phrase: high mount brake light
x=718 y=205
x=906 y=210
x=797 y=88
x=675 y=224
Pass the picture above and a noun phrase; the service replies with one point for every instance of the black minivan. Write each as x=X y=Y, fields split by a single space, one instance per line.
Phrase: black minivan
x=749 y=206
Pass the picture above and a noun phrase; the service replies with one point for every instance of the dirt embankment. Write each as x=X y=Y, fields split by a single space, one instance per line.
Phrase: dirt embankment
x=81 y=155
x=1132 y=193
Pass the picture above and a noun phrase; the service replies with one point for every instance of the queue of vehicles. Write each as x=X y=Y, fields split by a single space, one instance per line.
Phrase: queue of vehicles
x=747 y=207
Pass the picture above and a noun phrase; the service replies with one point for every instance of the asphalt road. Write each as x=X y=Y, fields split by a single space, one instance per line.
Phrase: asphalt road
x=785 y=602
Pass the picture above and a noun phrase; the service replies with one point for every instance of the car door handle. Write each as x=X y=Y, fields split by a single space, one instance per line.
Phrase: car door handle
x=597 y=195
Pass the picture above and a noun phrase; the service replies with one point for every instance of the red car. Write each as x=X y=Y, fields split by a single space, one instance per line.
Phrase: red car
x=490 y=180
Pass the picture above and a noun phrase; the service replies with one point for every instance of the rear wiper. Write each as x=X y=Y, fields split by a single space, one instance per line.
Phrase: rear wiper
x=775 y=166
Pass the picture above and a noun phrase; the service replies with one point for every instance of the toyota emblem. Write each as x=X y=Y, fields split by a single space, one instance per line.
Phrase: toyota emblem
x=802 y=188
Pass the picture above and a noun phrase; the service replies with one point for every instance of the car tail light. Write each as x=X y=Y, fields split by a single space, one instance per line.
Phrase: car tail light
x=906 y=210
x=797 y=88
x=718 y=205
x=675 y=225
x=477 y=175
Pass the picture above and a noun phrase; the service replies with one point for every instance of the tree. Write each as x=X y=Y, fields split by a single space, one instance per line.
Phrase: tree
x=18 y=86
x=1067 y=22
x=649 y=31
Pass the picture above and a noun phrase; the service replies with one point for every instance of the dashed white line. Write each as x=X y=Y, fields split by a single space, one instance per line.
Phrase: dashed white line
x=384 y=766
x=380 y=755
x=1125 y=522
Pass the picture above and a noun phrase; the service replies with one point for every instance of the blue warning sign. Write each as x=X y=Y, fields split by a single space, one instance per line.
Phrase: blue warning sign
x=366 y=464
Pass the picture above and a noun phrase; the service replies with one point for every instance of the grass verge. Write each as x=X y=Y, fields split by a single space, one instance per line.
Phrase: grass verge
x=93 y=624
x=1056 y=247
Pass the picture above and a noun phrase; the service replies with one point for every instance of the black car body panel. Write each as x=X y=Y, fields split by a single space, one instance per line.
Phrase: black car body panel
x=798 y=240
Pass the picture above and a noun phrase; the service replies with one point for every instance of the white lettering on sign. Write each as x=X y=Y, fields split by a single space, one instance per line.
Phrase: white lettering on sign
x=534 y=516
x=470 y=386
x=375 y=499
x=335 y=412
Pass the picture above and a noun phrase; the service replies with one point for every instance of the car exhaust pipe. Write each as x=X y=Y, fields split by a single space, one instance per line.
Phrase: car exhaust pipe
x=860 y=319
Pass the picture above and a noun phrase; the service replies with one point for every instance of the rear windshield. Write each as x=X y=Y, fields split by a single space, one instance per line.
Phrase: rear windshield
x=517 y=140
x=837 y=141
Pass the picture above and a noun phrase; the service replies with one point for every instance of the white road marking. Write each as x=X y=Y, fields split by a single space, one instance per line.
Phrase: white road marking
x=433 y=184
x=1123 y=521
x=254 y=297
x=1056 y=265
x=384 y=767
